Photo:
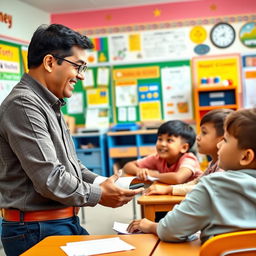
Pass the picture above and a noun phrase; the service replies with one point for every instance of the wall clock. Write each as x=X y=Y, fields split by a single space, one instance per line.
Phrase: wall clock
x=222 y=35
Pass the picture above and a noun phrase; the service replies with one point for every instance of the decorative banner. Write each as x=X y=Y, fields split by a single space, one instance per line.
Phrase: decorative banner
x=136 y=73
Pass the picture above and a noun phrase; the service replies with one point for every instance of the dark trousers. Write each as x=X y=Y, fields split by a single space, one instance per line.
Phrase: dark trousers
x=17 y=237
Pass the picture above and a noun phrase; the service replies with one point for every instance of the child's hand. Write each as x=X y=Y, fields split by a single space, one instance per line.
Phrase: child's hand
x=143 y=225
x=157 y=189
x=142 y=174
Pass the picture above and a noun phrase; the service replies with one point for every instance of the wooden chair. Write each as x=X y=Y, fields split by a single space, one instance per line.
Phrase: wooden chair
x=242 y=243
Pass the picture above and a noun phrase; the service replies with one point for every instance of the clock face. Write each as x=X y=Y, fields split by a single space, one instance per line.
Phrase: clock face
x=222 y=35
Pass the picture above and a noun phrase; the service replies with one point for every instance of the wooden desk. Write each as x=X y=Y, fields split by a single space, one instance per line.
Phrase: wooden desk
x=144 y=244
x=157 y=203
x=178 y=249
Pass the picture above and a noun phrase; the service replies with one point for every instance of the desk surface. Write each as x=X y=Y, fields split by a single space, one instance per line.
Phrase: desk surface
x=144 y=244
x=160 y=199
x=157 y=203
x=178 y=249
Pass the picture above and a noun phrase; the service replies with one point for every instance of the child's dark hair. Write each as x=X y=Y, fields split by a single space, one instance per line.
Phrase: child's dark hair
x=178 y=128
x=217 y=118
x=241 y=124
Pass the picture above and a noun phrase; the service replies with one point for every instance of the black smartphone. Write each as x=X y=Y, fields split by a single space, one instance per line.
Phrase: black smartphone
x=137 y=185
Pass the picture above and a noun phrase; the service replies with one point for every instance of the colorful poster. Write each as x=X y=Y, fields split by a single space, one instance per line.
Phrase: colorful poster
x=126 y=95
x=176 y=93
x=134 y=42
x=150 y=111
x=249 y=90
x=101 y=48
x=165 y=44
x=149 y=102
x=124 y=47
x=75 y=103
x=10 y=67
x=97 y=118
x=24 y=52
x=97 y=97
x=103 y=76
x=247 y=34
x=225 y=69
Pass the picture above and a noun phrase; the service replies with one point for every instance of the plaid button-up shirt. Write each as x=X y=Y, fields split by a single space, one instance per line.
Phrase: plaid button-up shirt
x=39 y=169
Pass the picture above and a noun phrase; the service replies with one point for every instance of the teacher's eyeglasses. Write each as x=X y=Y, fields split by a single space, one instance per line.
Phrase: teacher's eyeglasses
x=80 y=68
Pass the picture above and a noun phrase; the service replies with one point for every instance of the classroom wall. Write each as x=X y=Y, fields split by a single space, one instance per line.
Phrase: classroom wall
x=181 y=17
x=154 y=13
x=159 y=32
x=24 y=20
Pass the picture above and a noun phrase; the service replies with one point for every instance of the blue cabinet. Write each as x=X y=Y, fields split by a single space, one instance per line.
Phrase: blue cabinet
x=91 y=151
x=124 y=146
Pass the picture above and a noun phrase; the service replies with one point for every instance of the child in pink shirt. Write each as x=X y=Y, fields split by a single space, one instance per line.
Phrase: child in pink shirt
x=173 y=163
x=212 y=131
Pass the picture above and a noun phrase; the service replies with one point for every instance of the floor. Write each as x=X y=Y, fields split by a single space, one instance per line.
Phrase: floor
x=99 y=219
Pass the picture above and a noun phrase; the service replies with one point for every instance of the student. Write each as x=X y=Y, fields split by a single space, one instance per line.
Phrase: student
x=173 y=163
x=223 y=201
x=212 y=131
x=42 y=183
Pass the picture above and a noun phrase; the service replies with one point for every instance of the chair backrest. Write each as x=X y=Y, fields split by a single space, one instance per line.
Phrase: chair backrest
x=242 y=243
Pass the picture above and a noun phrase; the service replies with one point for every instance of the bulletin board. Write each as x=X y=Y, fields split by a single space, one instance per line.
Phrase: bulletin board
x=152 y=91
x=90 y=102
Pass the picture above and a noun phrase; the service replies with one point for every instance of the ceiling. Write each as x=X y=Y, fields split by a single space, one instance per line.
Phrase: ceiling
x=63 y=6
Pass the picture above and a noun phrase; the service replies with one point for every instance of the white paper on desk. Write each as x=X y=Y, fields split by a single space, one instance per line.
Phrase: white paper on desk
x=122 y=228
x=97 y=246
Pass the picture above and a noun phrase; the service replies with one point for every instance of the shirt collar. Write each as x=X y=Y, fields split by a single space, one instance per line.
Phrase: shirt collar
x=42 y=92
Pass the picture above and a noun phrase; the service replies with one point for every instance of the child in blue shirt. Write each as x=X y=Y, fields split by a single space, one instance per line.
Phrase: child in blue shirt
x=223 y=201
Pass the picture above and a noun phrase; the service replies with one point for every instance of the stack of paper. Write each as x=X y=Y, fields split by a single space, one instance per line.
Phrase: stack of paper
x=99 y=246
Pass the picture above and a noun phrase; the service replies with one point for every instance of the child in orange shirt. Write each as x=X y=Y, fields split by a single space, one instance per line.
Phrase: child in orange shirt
x=173 y=163
x=212 y=131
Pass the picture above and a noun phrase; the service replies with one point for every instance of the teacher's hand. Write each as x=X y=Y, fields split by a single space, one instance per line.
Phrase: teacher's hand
x=114 y=196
